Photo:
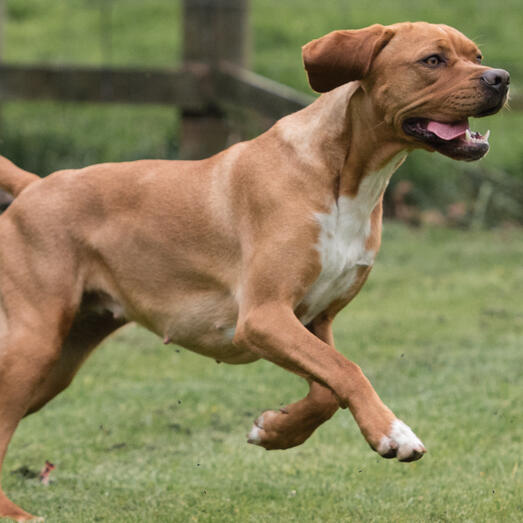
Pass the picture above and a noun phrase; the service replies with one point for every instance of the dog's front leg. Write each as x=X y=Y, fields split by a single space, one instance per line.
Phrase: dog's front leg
x=273 y=331
x=291 y=425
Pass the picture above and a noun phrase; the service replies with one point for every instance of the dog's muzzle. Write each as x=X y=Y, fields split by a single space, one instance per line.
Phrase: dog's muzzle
x=455 y=139
x=495 y=83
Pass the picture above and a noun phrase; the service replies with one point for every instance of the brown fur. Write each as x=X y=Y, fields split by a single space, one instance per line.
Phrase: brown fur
x=193 y=250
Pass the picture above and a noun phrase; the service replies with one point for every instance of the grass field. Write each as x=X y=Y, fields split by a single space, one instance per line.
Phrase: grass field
x=152 y=433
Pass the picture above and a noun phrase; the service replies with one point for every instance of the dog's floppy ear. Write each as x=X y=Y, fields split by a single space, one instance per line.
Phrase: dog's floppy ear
x=343 y=56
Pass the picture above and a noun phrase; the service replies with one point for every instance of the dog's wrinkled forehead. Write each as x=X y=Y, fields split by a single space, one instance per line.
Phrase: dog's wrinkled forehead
x=414 y=39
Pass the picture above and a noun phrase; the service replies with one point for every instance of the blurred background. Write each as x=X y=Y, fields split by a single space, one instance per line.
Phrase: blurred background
x=264 y=36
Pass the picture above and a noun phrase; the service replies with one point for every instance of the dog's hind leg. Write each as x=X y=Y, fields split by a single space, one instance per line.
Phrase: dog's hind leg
x=293 y=424
x=29 y=349
x=39 y=296
x=88 y=330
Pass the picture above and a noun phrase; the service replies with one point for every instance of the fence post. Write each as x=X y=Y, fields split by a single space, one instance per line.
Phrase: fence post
x=214 y=31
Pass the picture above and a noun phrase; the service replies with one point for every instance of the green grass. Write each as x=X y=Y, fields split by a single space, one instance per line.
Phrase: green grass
x=150 y=433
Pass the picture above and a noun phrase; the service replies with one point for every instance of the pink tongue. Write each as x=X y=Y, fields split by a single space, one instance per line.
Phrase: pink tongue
x=448 y=131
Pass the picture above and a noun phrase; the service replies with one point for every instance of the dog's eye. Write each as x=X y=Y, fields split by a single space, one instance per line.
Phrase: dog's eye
x=433 y=60
x=479 y=58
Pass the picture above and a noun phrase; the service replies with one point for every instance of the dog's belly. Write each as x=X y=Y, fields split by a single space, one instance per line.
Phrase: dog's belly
x=201 y=322
x=208 y=328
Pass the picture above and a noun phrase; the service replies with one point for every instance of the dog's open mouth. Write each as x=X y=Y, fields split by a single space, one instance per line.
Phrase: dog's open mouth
x=451 y=139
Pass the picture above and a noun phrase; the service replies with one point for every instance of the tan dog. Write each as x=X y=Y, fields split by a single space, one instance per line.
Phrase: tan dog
x=249 y=254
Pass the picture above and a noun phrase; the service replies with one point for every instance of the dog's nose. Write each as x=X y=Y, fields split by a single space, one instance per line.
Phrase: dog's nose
x=497 y=79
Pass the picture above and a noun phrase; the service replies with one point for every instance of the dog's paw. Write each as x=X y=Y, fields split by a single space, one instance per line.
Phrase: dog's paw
x=277 y=430
x=255 y=434
x=401 y=443
x=260 y=433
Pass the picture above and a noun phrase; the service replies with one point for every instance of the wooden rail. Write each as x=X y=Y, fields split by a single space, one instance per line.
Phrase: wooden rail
x=235 y=85
x=186 y=88
x=192 y=88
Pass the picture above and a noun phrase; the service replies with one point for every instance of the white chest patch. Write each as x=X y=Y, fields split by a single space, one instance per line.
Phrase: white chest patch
x=342 y=241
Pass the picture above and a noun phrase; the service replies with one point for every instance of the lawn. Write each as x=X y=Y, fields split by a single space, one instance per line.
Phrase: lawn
x=154 y=433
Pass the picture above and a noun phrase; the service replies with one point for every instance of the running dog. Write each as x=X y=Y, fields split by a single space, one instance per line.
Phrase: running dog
x=248 y=254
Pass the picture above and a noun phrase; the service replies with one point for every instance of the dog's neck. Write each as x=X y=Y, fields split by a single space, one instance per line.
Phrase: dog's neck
x=343 y=135
x=371 y=144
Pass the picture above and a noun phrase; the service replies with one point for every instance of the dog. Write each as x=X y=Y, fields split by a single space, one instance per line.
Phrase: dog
x=248 y=254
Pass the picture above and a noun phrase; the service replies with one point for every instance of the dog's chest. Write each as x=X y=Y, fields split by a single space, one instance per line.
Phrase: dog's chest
x=342 y=244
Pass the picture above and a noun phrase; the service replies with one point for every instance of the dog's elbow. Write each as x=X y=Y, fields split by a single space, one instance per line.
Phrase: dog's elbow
x=256 y=330
x=251 y=331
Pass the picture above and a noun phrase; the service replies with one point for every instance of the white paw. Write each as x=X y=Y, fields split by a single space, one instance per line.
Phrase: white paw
x=254 y=436
x=402 y=443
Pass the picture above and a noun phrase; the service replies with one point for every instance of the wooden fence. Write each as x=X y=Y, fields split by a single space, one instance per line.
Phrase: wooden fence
x=211 y=78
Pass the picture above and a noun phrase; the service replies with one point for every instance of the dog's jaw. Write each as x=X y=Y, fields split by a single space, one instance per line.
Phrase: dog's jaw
x=466 y=145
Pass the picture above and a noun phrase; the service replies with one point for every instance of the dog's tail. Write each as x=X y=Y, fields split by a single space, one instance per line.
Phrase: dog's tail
x=13 y=179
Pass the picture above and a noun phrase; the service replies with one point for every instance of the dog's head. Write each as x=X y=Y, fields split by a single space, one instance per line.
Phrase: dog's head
x=424 y=80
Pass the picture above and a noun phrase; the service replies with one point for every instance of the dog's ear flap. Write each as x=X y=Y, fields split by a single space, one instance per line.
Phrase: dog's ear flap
x=343 y=56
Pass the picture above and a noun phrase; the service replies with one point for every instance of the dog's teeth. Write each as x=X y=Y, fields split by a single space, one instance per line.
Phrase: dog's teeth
x=487 y=134
x=468 y=136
